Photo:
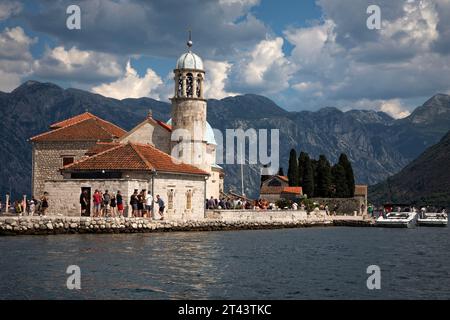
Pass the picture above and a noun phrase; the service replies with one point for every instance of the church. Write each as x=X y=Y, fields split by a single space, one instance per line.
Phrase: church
x=175 y=159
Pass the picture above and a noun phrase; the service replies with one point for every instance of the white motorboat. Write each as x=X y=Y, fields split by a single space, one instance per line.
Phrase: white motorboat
x=397 y=220
x=433 y=219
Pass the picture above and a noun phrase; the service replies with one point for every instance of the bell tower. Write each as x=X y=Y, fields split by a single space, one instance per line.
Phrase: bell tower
x=188 y=140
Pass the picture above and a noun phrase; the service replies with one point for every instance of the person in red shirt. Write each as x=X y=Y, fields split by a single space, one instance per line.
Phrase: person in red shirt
x=97 y=198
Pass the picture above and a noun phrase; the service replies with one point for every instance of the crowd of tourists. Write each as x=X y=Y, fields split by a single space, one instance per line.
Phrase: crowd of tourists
x=25 y=207
x=106 y=204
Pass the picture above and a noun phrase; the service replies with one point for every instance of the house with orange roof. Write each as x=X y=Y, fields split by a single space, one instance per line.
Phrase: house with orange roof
x=277 y=187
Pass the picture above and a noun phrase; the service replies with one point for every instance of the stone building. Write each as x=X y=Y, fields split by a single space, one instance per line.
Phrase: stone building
x=277 y=187
x=66 y=142
x=176 y=159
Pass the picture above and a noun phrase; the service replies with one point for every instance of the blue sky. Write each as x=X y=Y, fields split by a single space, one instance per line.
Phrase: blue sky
x=304 y=55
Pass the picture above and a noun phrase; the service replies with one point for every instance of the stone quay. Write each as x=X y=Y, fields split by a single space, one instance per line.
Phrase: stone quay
x=47 y=225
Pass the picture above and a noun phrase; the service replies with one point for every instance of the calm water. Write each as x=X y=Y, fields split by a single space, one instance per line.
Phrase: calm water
x=323 y=263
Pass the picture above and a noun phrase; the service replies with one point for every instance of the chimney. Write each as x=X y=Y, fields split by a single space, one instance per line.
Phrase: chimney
x=150 y=114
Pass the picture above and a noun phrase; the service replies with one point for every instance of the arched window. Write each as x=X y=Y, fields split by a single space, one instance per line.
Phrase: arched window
x=189 y=199
x=170 y=194
x=199 y=86
x=189 y=85
x=180 y=86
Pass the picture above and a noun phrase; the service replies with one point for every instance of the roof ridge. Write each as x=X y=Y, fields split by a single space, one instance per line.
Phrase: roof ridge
x=147 y=163
x=79 y=115
x=121 y=145
x=59 y=129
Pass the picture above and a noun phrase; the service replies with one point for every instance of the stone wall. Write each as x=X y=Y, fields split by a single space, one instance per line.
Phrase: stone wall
x=147 y=133
x=258 y=216
x=180 y=186
x=47 y=160
x=71 y=225
x=344 y=205
x=64 y=196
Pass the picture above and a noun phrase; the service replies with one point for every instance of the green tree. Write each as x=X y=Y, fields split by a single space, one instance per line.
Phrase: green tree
x=293 y=169
x=308 y=178
x=323 y=177
x=349 y=176
x=339 y=181
x=301 y=166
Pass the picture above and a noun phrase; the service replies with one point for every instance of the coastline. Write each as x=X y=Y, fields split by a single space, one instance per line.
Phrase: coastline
x=51 y=225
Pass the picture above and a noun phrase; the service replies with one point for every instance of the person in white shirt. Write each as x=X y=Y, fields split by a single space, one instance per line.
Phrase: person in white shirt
x=149 y=204
x=295 y=206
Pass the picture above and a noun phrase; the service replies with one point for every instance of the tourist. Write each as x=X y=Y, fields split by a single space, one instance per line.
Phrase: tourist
x=119 y=201
x=134 y=203
x=160 y=203
x=106 y=203
x=32 y=207
x=113 y=205
x=327 y=211
x=141 y=203
x=149 y=204
x=44 y=204
x=84 y=202
x=211 y=203
x=97 y=199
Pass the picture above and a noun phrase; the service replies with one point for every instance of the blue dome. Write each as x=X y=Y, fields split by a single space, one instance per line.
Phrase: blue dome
x=210 y=139
x=190 y=60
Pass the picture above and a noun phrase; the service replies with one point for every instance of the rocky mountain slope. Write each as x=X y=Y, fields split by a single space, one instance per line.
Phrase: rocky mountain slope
x=425 y=181
x=378 y=145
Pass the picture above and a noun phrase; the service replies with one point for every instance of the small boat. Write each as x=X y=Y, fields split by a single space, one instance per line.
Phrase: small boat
x=397 y=220
x=433 y=219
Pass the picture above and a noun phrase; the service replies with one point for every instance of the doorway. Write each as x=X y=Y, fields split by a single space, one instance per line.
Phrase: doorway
x=87 y=213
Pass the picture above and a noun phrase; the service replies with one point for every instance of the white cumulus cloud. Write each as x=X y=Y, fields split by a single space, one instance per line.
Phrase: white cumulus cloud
x=216 y=79
x=131 y=85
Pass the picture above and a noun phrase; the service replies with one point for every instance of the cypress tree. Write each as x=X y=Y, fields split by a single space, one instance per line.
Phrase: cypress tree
x=308 y=178
x=293 y=169
x=349 y=176
x=301 y=167
x=323 y=177
x=339 y=181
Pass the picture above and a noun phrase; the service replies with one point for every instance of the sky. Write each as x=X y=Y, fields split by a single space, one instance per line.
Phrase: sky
x=304 y=55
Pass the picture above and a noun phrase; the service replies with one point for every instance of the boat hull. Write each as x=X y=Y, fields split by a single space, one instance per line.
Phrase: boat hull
x=409 y=222
x=432 y=222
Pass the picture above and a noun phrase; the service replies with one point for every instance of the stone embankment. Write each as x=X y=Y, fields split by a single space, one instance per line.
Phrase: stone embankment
x=67 y=225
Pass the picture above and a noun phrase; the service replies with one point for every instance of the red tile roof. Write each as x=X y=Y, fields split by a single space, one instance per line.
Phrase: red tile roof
x=101 y=147
x=133 y=156
x=295 y=190
x=84 y=127
x=70 y=121
x=164 y=125
x=279 y=190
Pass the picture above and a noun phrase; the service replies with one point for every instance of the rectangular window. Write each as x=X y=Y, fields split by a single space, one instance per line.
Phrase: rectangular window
x=67 y=160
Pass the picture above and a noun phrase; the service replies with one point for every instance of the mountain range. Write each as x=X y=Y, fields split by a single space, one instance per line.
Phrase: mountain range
x=425 y=181
x=378 y=145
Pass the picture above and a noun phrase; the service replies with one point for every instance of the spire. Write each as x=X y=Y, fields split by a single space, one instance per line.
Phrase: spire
x=149 y=114
x=190 y=43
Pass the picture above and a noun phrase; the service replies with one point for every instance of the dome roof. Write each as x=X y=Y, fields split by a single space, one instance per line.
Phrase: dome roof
x=190 y=60
x=209 y=135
